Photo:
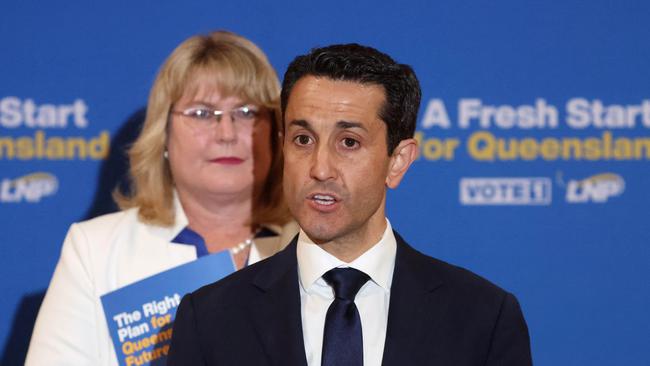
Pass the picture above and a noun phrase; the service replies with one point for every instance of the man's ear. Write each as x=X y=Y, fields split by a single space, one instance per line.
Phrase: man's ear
x=400 y=161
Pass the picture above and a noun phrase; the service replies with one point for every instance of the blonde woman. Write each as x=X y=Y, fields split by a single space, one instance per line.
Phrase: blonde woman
x=206 y=173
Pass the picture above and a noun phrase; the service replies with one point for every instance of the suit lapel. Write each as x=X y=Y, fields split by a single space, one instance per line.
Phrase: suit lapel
x=276 y=314
x=415 y=307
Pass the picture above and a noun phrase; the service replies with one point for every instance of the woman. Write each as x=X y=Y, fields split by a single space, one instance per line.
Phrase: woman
x=206 y=173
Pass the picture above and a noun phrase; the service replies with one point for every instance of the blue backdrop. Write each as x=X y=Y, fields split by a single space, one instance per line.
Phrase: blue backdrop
x=534 y=129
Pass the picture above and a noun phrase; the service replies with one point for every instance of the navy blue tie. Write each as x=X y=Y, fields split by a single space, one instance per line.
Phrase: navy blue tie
x=342 y=339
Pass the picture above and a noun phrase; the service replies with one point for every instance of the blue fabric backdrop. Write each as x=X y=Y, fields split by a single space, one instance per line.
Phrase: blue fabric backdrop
x=547 y=102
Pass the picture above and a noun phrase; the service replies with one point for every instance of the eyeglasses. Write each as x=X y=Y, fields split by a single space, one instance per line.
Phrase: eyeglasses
x=204 y=118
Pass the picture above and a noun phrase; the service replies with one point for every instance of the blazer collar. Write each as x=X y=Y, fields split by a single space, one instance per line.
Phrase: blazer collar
x=414 y=305
x=414 y=270
x=276 y=312
x=167 y=233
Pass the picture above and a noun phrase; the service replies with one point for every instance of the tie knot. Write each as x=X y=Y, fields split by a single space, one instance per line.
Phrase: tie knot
x=346 y=282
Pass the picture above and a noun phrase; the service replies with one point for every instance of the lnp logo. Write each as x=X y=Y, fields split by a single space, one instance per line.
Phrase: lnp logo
x=597 y=188
x=30 y=188
x=505 y=191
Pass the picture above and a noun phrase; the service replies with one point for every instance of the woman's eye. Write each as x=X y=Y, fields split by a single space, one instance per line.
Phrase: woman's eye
x=200 y=113
x=246 y=113
x=350 y=143
x=302 y=139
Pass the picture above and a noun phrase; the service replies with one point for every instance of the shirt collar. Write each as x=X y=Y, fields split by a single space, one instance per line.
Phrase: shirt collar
x=377 y=262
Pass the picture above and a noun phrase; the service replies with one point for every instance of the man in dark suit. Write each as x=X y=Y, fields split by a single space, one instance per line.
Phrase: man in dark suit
x=349 y=290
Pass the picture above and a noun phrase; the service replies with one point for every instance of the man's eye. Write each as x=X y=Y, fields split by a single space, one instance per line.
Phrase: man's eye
x=350 y=143
x=302 y=140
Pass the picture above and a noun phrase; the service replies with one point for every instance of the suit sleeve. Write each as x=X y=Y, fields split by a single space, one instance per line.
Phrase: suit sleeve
x=185 y=347
x=510 y=344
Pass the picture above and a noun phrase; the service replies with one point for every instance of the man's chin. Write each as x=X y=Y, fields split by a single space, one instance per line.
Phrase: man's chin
x=320 y=233
x=318 y=237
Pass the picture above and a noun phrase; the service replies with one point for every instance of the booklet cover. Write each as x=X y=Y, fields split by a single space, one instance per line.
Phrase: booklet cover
x=140 y=315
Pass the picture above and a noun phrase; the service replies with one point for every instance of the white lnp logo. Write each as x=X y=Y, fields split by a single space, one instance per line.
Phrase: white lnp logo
x=30 y=188
x=597 y=188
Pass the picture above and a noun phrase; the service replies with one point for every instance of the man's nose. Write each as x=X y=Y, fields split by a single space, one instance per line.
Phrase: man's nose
x=323 y=165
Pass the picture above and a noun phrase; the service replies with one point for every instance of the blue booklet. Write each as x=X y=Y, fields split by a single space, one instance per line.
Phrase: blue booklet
x=140 y=315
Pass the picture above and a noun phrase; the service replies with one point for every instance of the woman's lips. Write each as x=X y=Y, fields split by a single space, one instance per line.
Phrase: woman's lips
x=228 y=160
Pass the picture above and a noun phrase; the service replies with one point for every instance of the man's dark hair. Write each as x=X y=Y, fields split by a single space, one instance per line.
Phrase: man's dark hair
x=365 y=65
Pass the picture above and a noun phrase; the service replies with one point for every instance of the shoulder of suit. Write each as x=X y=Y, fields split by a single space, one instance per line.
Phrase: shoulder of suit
x=455 y=277
x=109 y=223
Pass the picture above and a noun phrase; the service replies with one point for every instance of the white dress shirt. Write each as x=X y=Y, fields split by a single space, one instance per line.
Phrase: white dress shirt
x=372 y=299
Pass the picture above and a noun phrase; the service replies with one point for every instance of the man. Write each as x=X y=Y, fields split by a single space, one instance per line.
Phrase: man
x=348 y=290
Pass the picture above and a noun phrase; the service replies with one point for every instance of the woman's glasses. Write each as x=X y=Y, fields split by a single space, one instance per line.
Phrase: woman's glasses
x=205 y=119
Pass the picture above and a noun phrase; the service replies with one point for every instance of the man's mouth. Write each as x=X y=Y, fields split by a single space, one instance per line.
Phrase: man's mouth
x=324 y=199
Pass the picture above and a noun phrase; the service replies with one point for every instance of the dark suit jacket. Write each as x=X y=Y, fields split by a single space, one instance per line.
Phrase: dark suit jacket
x=439 y=314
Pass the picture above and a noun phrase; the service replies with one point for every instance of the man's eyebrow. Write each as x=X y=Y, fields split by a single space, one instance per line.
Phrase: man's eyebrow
x=343 y=125
x=300 y=123
x=349 y=124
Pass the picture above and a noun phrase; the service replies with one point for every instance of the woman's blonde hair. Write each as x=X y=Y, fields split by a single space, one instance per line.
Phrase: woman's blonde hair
x=238 y=67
